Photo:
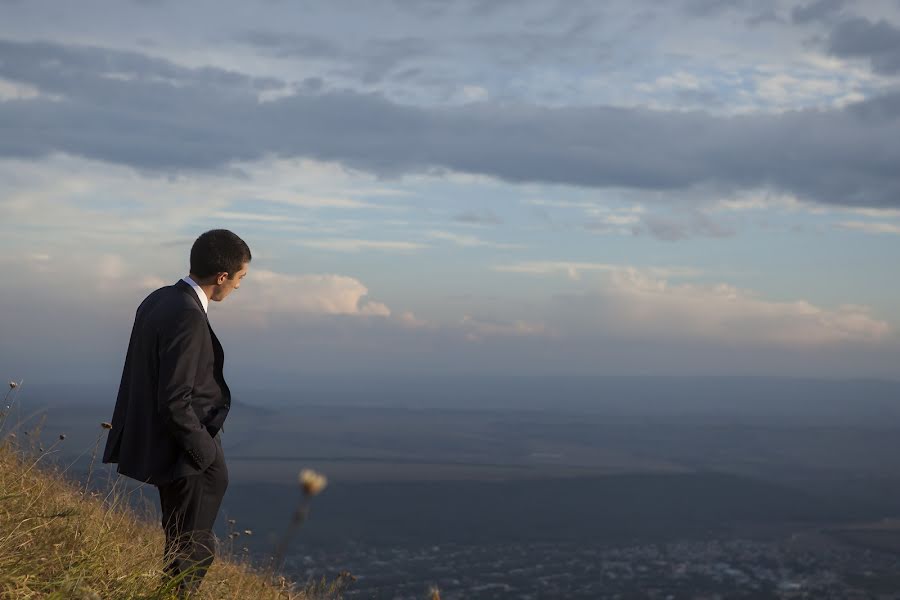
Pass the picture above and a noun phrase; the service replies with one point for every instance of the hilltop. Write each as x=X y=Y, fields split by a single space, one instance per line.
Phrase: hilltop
x=58 y=541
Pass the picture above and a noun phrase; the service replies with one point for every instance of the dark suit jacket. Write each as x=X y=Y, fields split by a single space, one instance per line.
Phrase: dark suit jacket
x=173 y=398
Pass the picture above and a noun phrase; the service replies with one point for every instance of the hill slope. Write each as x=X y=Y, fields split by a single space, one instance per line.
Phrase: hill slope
x=57 y=542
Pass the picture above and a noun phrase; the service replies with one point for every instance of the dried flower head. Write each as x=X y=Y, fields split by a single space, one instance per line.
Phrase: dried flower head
x=13 y=385
x=106 y=425
x=62 y=436
x=231 y=521
x=311 y=482
x=248 y=532
x=434 y=593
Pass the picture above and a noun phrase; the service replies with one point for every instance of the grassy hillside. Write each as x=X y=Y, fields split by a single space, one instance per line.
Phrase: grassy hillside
x=58 y=542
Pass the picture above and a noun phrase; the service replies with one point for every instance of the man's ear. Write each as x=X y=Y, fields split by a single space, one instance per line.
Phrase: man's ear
x=220 y=278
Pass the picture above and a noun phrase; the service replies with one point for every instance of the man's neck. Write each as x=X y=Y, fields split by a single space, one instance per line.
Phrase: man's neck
x=204 y=294
x=206 y=287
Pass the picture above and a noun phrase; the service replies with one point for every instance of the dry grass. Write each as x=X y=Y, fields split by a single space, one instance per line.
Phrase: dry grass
x=58 y=543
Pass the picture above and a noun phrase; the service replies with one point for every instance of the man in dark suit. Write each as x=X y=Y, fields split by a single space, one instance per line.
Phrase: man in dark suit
x=173 y=401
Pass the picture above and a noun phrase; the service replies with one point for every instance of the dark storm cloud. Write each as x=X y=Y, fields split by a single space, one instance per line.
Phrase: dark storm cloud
x=131 y=109
x=300 y=45
x=573 y=41
x=428 y=9
x=819 y=10
x=861 y=38
x=766 y=16
x=371 y=61
x=486 y=8
x=706 y=8
x=81 y=71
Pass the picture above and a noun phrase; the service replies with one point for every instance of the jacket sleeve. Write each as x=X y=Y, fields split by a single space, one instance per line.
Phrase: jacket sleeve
x=180 y=348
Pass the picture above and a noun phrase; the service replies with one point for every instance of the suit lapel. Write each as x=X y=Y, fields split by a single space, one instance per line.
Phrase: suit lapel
x=218 y=352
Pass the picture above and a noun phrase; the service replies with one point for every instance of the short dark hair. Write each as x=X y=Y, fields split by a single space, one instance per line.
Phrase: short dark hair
x=218 y=251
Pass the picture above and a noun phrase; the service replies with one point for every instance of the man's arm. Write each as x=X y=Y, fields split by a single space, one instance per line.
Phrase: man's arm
x=179 y=358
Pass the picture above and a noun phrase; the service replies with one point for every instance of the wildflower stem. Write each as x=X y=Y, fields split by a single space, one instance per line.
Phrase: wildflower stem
x=300 y=514
x=5 y=410
x=90 y=472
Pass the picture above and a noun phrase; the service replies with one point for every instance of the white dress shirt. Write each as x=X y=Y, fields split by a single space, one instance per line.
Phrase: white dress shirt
x=200 y=293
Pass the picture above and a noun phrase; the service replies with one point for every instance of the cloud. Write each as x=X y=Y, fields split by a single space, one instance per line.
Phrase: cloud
x=614 y=223
x=765 y=16
x=228 y=215
x=166 y=117
x=110 y=267
x=818 y=10
x=291 y=44
x=112 y=206
x=708 y=8
x=152 y=282
x=879 y=42
x=636 y=305
x=672 y=229
x=356 y=245
x=753 y=202
x=411 y=321
x=465 y=240
x=574 y=270
x=10 y=90
x=871 y=227
x=276 y=294
x=478 y=218
x=478 y=329
x=370 y=60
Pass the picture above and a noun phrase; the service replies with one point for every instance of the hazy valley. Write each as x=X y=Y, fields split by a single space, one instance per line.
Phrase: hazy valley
x=530 y=488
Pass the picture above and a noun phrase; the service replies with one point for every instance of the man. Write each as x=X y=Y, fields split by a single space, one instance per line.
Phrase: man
x=173 y=401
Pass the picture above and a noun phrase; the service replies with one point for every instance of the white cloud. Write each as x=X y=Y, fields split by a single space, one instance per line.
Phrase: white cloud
x=152 y=282
x=279 y=294
x=784 y=89
x=589 y=207
x=877 y=213
x=105 y=199
x=262 y=218
x=14 y=90
x=411 y=321
x=620 y=219
x=574 y=270
x=466 y=241
x=356 y=245
x=680 y=80
x=758 y=201
x=637 y=305
x=871 y=227
x=110 y=267
x=473 y=93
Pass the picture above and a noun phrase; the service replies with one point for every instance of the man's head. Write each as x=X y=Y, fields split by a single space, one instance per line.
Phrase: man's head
x=219 y=259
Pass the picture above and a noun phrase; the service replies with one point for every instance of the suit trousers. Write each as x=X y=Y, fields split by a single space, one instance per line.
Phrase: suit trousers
x=189 y=506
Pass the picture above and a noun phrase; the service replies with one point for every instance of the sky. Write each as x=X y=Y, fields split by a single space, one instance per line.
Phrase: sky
x=641 y=187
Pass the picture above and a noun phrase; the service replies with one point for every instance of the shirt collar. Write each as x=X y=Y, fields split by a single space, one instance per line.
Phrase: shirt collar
x=199 y=291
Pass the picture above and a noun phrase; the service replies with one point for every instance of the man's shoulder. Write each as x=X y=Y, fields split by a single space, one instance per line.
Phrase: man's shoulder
x=169 y=301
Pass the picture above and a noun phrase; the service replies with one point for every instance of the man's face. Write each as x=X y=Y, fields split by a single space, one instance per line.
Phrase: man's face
x=224 y=285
